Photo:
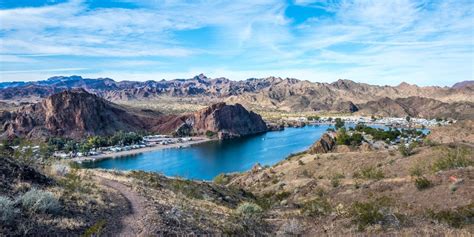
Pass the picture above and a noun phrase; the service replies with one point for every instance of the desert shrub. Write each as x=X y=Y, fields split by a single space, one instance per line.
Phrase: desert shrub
x=316 y=207
x=249 y=210
x=306 y=173
x=297 y=154
x=406 y=150
x=186 y=187
x=60 y=169
x=267 y=200
x=456 y=218
x=221 y=179
x=250 y=216
x=336 y=179
x=210 y=133
x=96 y=229
x=300 y=162
x=73 y=182
x=8 y=212
x=292 y=227
x=416 y=171
x=368 y=213
x=453 y=158
x=369 y=172
x=39 y=201
x=422 y=182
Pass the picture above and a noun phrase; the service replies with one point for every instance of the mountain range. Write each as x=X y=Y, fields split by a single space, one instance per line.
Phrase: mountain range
x=268 y=94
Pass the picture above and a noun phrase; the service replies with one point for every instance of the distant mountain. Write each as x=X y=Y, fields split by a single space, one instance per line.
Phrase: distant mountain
x=77 y=114
x=463 y=85
x=266 y=94
x=418 y=107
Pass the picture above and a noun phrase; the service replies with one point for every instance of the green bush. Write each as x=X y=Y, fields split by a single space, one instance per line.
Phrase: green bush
x=316 y=207
x=96 y=229
x=249 y=214
x=39 y=201
x=406 y=150
x=422 y=183
x=221 y=179
x=8 y=212
x=456 y=218
x=454 y=158
x=416 y=171
x=368 y=213
x=210 y=133
x=186 y=187
x=369 y=173
x=351 y=140
x=336 y=179
x=339 y=123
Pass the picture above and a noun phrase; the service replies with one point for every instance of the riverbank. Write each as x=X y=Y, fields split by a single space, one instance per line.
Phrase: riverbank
x=108 y=155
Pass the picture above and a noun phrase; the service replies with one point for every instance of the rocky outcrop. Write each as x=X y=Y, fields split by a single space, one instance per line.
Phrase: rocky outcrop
x=326 y=144
x=74 y=114
x=227 y=121
x=78 y=113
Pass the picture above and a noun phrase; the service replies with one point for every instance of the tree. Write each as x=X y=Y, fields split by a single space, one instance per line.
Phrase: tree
x=339 y=123
x=408 y=118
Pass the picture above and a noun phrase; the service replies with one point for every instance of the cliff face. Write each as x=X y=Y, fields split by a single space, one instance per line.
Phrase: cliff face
x=227 y=121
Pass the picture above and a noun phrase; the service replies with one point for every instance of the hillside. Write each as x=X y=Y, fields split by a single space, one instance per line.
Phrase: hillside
x=418 y=107
x=77 y=114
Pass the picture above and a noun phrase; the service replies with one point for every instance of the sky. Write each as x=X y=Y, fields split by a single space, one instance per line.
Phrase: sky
x=382 y=42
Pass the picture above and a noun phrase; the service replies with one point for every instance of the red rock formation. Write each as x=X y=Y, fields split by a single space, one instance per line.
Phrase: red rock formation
x=228 y=121
x=77 y=114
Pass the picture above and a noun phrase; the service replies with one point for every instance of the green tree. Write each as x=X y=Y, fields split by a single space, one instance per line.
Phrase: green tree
x=339 y=123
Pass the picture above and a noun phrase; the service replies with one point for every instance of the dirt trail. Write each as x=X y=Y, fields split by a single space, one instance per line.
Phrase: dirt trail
x=131 y=223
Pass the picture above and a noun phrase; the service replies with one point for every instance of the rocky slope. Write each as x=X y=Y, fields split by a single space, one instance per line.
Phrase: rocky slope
x=228 y=120
x=418 y=107
x=463 y=85
x=272 y=93
x=77 y=114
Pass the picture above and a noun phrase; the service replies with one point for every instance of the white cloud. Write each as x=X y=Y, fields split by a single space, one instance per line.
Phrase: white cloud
x=379 y=42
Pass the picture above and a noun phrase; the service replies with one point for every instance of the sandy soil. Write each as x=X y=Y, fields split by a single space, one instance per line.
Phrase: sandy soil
x=196 y=140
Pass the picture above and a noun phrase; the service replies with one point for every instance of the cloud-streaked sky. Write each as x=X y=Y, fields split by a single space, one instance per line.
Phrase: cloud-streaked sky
x=373 y=41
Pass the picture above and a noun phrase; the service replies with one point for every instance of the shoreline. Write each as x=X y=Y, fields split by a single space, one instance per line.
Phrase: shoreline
x=157 y=147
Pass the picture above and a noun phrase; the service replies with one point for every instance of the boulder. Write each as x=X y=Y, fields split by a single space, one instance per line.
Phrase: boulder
x=326 y=144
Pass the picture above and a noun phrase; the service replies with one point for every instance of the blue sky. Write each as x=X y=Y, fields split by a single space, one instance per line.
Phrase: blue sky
x=378 y=42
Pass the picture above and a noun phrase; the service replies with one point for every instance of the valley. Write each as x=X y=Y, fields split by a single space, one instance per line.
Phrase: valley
x=222 y=169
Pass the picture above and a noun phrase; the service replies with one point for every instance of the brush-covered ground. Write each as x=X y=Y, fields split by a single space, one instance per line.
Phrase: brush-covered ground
x=429 y=192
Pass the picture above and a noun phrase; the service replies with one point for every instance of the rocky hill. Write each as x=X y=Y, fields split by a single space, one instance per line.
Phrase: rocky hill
x=418 y=107
x=463 y=85
x=266 y=94
x=229 y=120
x=77 y=113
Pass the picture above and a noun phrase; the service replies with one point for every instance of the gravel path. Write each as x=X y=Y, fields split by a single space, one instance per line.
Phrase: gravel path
x=131 y=223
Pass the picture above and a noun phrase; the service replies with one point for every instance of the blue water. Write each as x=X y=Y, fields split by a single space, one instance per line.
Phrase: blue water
x=206 y=160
